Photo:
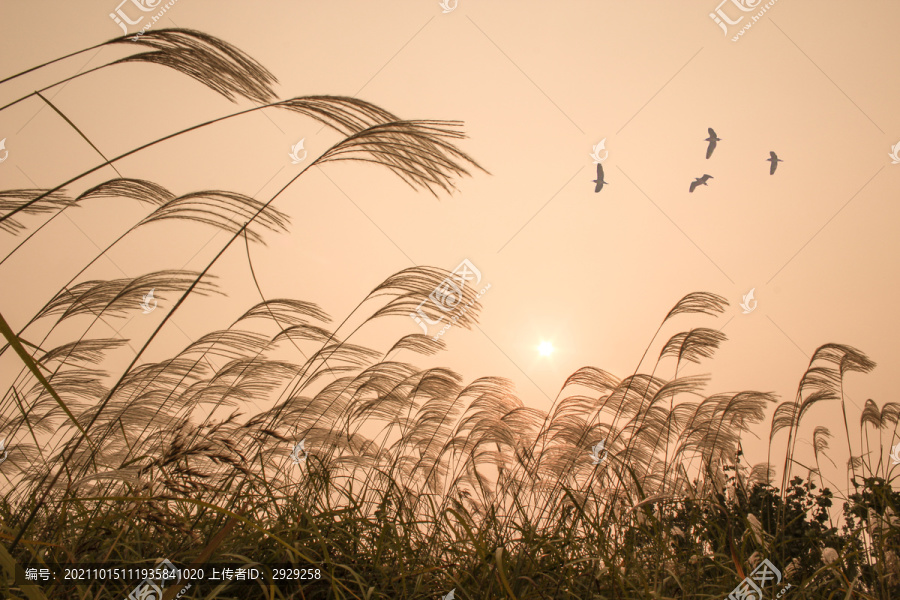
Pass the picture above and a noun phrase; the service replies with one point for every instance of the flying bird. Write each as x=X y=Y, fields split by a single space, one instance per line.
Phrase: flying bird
x=712 y=139
x=599 y=181
x=773 y=158
x=700 y=181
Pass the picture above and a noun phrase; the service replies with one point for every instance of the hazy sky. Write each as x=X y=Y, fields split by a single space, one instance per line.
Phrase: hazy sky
x=537 y=85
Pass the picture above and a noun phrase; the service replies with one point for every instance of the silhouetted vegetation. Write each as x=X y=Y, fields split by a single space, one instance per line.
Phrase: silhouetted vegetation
x=413 y=482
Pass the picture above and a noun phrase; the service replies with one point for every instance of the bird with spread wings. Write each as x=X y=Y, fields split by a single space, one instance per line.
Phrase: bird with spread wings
x=700 y=181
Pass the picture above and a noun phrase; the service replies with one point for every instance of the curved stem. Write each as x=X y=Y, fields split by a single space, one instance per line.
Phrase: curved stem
x=50 y=62
x=66 y=80
x=125 y=155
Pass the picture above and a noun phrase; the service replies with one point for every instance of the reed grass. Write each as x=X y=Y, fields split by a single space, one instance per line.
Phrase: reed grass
x=414 y=482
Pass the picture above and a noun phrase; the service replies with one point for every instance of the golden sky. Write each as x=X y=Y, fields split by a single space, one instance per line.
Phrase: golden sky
x=537 y=85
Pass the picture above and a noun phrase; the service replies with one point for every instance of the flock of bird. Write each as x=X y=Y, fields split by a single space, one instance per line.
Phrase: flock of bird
x=713 y=139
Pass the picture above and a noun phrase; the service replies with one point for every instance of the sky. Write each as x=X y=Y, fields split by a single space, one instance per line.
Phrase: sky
x=537 y=86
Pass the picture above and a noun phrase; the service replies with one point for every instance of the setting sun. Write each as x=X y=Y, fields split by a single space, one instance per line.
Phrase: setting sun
x=546 y=349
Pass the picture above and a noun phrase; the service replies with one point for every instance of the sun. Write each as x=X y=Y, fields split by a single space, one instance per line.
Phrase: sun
x=546 y=349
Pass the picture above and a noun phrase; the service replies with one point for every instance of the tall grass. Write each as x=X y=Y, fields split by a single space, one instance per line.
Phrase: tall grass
x=414 y=482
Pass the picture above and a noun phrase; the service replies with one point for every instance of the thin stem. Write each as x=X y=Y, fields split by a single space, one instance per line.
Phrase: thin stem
x=75 y=127
x=127 y=154
x=66 y=80
x=50 y=62
x=847 y=429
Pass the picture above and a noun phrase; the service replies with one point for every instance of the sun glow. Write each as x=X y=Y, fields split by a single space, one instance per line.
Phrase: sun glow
x=546 y=349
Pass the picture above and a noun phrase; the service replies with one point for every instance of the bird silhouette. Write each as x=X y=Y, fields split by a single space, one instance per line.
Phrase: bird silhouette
x=773 y=158
x=700 y=181
x=599 y=181
x=712 y=139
